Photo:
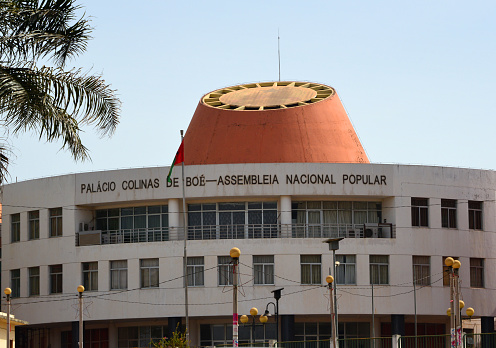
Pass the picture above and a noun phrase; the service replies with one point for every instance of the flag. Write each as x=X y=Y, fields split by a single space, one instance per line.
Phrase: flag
x=178 y=159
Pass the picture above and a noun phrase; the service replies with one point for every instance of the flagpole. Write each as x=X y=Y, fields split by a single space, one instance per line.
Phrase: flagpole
x=185 y=257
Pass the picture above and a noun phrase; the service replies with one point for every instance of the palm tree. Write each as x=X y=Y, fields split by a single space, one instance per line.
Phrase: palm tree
x=48 y=100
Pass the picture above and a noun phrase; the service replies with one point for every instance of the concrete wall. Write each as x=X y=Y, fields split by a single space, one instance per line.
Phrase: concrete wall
x=81 y=194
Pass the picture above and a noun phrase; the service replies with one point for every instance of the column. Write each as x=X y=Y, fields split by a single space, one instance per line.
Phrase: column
x=174 y=220
x=285 y=213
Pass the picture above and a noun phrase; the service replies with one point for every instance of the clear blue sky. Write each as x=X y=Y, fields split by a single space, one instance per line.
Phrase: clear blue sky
x=418 y=79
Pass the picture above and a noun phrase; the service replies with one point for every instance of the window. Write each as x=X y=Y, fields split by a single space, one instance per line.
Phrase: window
x=220 y=335
x=140 y=336
x=232 y=220
x=118 y=275
x=15 y=228
x=448 y=213
x=34 y=281
x=310 y=269
x=420 y=210
x=149 y=273
x=56 y=279
x=90 y=276
x=94 y=338
x=263 y=269
x=195 y=271
x=346 y=271
x=15 y=282
x=134 y=224
x=354 y=330
x=379 y=269
x=34 y=224
x=446 y=275
x=225 y=270
x=328 y=218
x=55 y=222
x=262 y=220
x=311 y=331
x=476 y=273
x=422 y=270
x=475 y=215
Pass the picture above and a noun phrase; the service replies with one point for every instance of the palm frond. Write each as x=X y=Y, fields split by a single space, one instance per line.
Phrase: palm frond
x=55 y=103
x=42 y=29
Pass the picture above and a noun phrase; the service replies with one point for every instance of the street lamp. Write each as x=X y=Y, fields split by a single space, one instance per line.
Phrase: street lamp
x=456 y=323
x=235 y=254
x=253 y=312
x=330 y=280
x=7 y=292
x=277 y=296
x=80 y=290
x=334 y=245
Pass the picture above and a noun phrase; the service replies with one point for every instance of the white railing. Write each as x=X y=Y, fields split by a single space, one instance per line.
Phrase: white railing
x=241 y=231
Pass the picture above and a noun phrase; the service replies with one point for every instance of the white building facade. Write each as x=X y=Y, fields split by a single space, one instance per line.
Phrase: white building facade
x=120 y=234
x=254 y=179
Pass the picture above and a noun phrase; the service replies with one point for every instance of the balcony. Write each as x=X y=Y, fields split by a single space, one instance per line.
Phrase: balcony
x=244 y=231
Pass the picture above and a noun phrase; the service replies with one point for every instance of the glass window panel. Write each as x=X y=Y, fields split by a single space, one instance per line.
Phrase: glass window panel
x=127 y=211
x=314 y=205
x=127 y=223
x=255 y=217
x=208 y=206
x=254 y=205
x=113 y=224
x=344 y=205
x=194 y=207
x=101 y=213
x=330 y=205
x=194 y=219
x=140 y=221
x=270 y=205
x=139 y=210
x=238 y=218
x=153 y=221
x=154 y=209
x=360 y=205
x=224 y=219
x=209 y=218
x=311 y=328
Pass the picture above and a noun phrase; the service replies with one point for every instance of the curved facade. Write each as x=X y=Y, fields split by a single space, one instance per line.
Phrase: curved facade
x=121 y=234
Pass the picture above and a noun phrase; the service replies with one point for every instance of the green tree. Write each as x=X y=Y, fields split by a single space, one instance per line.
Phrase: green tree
x=178 y=340
x=50 y=101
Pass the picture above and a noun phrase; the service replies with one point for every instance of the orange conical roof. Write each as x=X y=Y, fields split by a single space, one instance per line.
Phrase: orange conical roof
x=272 y=122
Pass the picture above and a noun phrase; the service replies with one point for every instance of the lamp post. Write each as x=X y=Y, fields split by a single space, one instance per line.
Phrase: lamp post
x=235 y=253
x=277 y=296
x=7 y=292
x=244 y=319
x=455 y=317
x=334 y=245
x=330 y=280
x=80 y=290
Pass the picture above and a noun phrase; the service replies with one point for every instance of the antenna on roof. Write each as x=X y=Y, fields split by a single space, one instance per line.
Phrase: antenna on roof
x=279 y=52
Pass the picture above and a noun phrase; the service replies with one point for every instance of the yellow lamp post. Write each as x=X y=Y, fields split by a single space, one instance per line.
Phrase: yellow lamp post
x=334 y=343
x=7 y=293
x=235 y=253
x=456 y=303
x=80 y=290
x=244 y=319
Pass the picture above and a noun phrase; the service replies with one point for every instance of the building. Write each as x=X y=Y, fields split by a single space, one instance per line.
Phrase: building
x=274 y=169
x=4 y=327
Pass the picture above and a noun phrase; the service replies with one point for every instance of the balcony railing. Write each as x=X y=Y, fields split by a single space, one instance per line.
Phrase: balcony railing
x=242 y=231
